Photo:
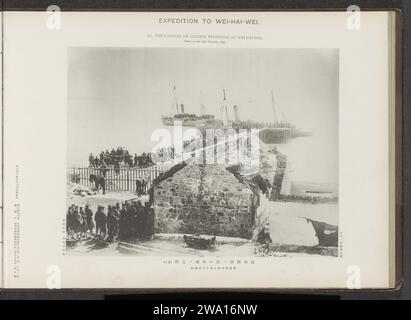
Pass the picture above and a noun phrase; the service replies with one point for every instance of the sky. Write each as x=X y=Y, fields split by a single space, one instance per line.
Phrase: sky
x=116 y=96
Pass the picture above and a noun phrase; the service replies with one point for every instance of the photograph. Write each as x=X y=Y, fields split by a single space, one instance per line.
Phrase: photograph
x=202 y=152
x=204 y=161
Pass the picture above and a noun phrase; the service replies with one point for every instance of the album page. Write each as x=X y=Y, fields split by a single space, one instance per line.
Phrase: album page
x=245 y=150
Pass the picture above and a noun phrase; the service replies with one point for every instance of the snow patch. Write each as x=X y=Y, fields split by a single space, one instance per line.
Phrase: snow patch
x=291 y=230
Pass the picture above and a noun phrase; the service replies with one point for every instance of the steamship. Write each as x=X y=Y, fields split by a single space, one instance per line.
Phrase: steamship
x=202 y=121
x=276 y=132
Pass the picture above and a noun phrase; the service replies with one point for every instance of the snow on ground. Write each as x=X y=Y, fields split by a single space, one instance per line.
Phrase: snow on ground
x=78 y=189
x=167 y=245
x=323 y=212
x=291 y=230
x=174 y=245
x=94 y=247
x=163 y=245
x=100 y=199
x=287 y=223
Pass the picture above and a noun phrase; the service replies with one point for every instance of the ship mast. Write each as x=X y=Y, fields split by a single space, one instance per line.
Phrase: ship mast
x=203 y=108
x=275 y=113
x=273 y=105
x=175 y=98
x=225 y=105
x=222 y=107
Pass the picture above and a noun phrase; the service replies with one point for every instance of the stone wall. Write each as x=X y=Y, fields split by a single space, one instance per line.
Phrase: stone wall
x=279 y=175
x=205 y=199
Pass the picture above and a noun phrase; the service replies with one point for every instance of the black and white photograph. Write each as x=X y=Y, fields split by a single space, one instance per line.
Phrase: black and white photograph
x=202 y=152
x=192 y=151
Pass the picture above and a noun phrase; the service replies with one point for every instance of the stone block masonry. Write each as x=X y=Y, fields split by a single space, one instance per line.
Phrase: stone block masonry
x=205 y=199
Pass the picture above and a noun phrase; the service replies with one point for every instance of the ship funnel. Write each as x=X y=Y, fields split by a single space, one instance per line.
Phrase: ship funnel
x=182 y=108
x=236 y=114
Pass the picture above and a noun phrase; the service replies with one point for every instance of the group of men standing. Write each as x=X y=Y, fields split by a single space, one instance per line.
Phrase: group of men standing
x=131 y=220
x=79 y=221
x=115 y=157
x=142 y=185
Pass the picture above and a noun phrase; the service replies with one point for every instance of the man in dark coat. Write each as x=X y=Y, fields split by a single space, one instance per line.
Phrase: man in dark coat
x=84 y=226
x=143 y=186
x=112 y=224
x=138 y=187
x=109 y=222
x=89 y=218
x=149 y=226
x=132 y=217
x=122 y=234
x=139 y=220
x=69 y=221
x=101 y=222
x=135 y=160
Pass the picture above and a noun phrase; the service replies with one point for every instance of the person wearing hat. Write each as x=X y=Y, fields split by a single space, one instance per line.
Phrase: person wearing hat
x=89 y=218
x=100 y=221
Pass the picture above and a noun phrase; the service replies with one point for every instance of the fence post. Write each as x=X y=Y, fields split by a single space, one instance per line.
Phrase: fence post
x=125 y=180
x=86 y=174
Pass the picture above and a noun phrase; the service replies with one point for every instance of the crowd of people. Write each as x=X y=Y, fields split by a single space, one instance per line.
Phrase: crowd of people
x=142 y=185
x=130 y=220
x=119 y=156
